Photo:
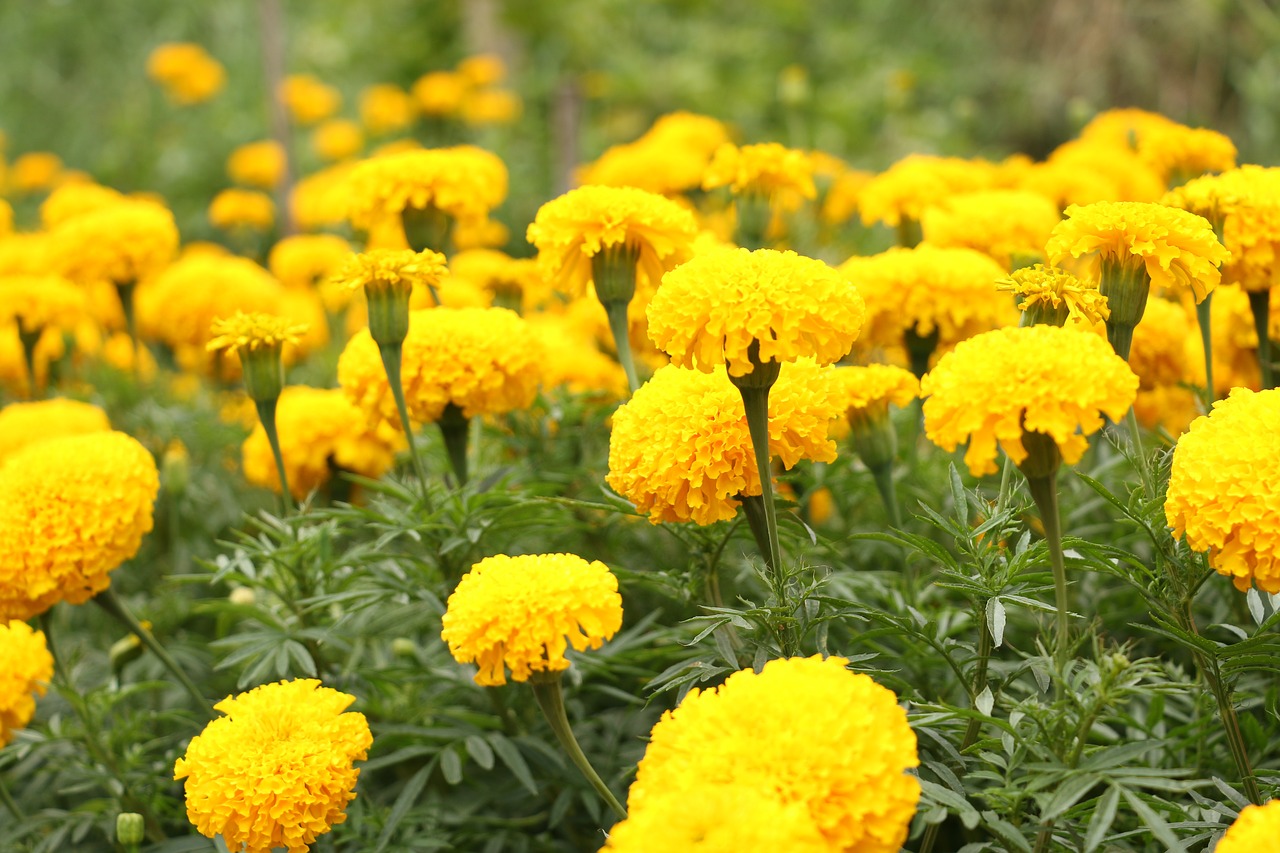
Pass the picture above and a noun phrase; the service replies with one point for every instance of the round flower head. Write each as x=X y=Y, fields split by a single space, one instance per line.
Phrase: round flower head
x=337 y=139
x=721 y=306
x=1052 y=296
x=866 y=392
x=22 y=424
x=308 y=98
x=236 y=208
x=570 y=230
x=178 y=306
x=26 y=668
x=319 y=200
x=1178 y=152
x=248 y=333
x=71 y=510
x=681 y=451
x=70 y=200
x=916 y=183
x=439 y=93
x=522 y=613
x=802 y=731
x=464 y=183
x=276 y=770
x=37 y=302
x=1123 y=127
x=188 y=74
x=482 y=360
x=35 y=171
x=1000 y=385
x=1159 y=354
x=385 y=108
x=1176 y=247
x=1242 y=204
x=1255 y=830
x=392 y=269
x=1222 y=493
x=1005 y=224
x=308 y=260
x=122 y=243
x=783 y=175
x=258 y=164
x=670 y=157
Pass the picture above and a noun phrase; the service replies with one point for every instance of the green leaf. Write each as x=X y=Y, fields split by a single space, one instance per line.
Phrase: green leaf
x=996 y=619
x=1104 y=814
x=1069 y=792
x=480 y=750
x=953 y=801
x=510 y=755
x=403 y=803
x=451 y=766
x=1159 y=826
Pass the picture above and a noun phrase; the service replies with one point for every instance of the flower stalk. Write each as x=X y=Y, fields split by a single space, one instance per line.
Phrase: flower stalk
x=267 y=417
x=1126 y=287
x=1040 y=467
x=1203 y=320
x=550 y=698
x=391 y=361
x=1260 y=305
x=613 y=269
x=454 y=428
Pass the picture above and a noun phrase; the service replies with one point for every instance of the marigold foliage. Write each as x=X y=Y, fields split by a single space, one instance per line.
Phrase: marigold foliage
x=276 y=770
x=252 y=332
x=522 y=613
x=1255 y=830
x=257 y=164
x=26 y=668
x=715 y=308
x=122 y=243
x=802 y=731
x=237 y=208
x=22 y=424
x=998 y=385
x=464 y=182
x=999 y=223
x=186 y=72
x=71 y=510
x=916 y=183
x=568 y=231
x=680 y=449
x=783 y=175
x=1052 y=290
x=1221 y=489
x=483 y=360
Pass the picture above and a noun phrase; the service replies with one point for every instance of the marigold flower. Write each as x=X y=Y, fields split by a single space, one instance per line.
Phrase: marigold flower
x=571 y=359
x=1123 y=174
x=22 y=424
x=522 y=613
x=1242 y=204
x=1220 y=496
x=236 y=208
x=1159 y=354
x=482 y=69
x=1000 y=385
x=72 y=509
x=802 y=731
x=917 y=182
x=26 y=668
x=6 y=213
x=276 y=770
x=1123 y=127
x=439 y=93
x=308 y=99
x=671 y=157
x=178 y=306
x=37 y=302
x=841 y=201
x=392 y=269
x=783 y=175
x=463 y=182
x=35 y=171
x=680 y=449
x=304 y=261
x=258 y=164
x=319 y=200
x=243 y=332
x=1254 y=830
x=1178 y=152
x=123 y=243
x=72 y=199
x=716 y=308
x=187 y=73
x=490 y=106
x=1051 y=296
x=1005 y=224
x=337 y=139
x=866 y=392
x=512 y=281
x=386 y=108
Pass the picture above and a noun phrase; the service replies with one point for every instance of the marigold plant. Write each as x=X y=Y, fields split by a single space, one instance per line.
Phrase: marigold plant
x=26 y=668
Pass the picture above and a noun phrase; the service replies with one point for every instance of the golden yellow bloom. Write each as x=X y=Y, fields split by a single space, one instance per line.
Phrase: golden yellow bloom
x=868 y=390
x=186 y=72
x=178 y=306
x=1053 y=295
x=1123 y=127
x=26 y=668
x=1178 y=152
x=1220 y=496
x=237 y=208
x=123 y=243
x=513 y=281
x=304 y=261
x=72 y=199
x=1159 y=354
x=243 y=332
x=33 y=253
x=841 y=200
x=490 y=106
x=37 y=302
x=308 y=99
x=522 y=613
x=386 y=108
x=463 y=182
x=1243 y=204
x=716 y=308
x=1126 y=176
x=439 y=93
x=35 y=171
x=570 y=230
x=6 y=213
x=275 y=770
x=1069 y=183
x=803 y=732
x=392 y=269
x=72 y=509
x=258 y=164
x=681 y=451
x=671 y=157
x=1255 y=830
x=918 y=182
x=483 y=69
x=483 y=360
x=319 y=200
x=337 y=139
x=782 y=175
x=997 y=386
x=22 y=424
x=572 y=360
x=1004 y=224
x=320 y=432
x=1176 y=247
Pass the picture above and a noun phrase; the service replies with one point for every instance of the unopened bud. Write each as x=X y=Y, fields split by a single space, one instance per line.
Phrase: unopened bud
x=130 y=830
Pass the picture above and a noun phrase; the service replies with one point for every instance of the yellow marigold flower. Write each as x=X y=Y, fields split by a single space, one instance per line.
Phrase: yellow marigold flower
x=33 y=253
x=1176 y=247
x=72 y=509
x=515 y=281
x=1123 y=127
x=918 y=182
x=123 y=243
x=186 y=72
x=1052 y=296
x=337 y=139
x=866 y=392
x=6 y=213
x=1069 y=183
x=482 y=360
x=22 y=424
x=1127 y=176
x=841 y=200
x=571 y=360
x=392 y=269
x=999 y=385
x=1242 y=204
x=480 y=234
x=243 y=332
x=720 y=307
x=37 y=302
x=802 y=731
x=386 y=108
x=522 y=613
x=490 y=106
x=681 y=451
x=71 y=200
x=35 y=171
x=483 y=69
x=178 y=306
x=1255 y=830
x=319 y=200
x=571 y=230
x=26 y=668
x=275 y=770
x=783 y=175
x=670 y=157
x=237 y=208
x=304 y=261
x=1005 y=224
x=320 y=431
x=439 y=93
x=1168 y=407
x=1178 y=152
x=1159 y=354
x=258 y=164
x=308 y=99
x=1220 y=496
x=463 y=182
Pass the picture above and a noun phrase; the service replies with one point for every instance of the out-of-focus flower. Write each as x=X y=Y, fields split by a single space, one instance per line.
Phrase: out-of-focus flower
x=385 y=108
x=907 y=188
x=319 y=200
x=258 y=164
x=22 y=424
x=235 y=208
x=70 y=200
x=35 y=171
x=483 y=69
x=439 y=93
x=1253 y=831
x=337 y=139
x=783 y=175
x=186 y=72
x=490 y=106
x=1008 y=225
x=26 y=668
x=671 y=157
x=304 y=261
x=1178 y=153
x=308 y=99
x=123 y=243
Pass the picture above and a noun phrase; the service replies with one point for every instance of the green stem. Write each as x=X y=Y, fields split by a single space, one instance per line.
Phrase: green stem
x=111 y=603
x=756 y=403
x=620 y=326
x=1139 y=457
x=1260 y=305
x=883 y=475
x=391 y=356
x=267 y=417
x=1203 y=319
x=546 y=689
x=125 y=291
x=9 y=802
x=1044 y=491
x=757 y=519
x=454 y=428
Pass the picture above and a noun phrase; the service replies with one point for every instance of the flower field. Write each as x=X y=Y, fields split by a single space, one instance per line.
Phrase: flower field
x=444 y=433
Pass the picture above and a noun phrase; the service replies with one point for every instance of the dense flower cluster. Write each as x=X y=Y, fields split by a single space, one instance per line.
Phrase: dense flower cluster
x=781 y=174
x=464 y=182
x=26 y=667
x=1005 y=224
x=522 y=613
x=22 y=424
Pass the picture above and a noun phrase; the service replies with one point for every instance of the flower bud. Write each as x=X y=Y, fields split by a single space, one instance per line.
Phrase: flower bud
x=130 y=830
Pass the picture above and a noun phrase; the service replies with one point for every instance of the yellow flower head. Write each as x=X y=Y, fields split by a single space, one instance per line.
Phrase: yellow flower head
x=872 y=388
x=1178 y=152
x=304 y=261
x=997 y=386
x=386 y=108
x=179 y=306
x=6 y=214
x=308 y=99
x=123 y=243
x=522 y=613
x=572 y=360
x=440 y=93
x=1255 y=830
x=243 y=332
x=26 y=668
x=319 y=200
x=337 y=139
x=483 y=69
x=1176 y=247
x=1243 y=204
x=1123 y=127
x=570 y=230
x=392 y=269
x=35 y=171
x=72 y=199
x=187 y=73
x=1052 y=292
x=72 y=509
x=841 y=200
x=1000 y=223
x=258 y=164
x=22 y=424
x=783 y=175
x=502 y=276
x=482 y=360
x=681 y=451
x=36 y=302
x=803 y=732
x=490 y=106
x=717 y=307
x=237 y=208
x=918 y=182
x=463 y=182
x=671 y=157
x=1159 y=354
x=1220 y=489
x=1115 y=170
x=276 y=770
